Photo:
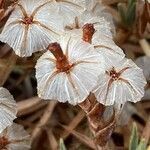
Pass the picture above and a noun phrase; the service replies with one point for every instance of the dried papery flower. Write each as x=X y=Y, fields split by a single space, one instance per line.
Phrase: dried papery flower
x=8 y=109
x=69 y=71
x=31 y=27
x=15 y=137
x=123 y=81
x=96 y=31
x=101 y=26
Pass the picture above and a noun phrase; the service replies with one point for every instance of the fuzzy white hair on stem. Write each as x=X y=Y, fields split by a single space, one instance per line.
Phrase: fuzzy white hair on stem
x=123 y=81
x=73 y=75
x=15 y=137
x=8 y=109
x=31 y=27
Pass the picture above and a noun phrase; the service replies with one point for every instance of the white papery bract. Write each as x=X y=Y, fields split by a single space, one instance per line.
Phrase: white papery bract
x=8 y=109
x=102 y=38
x=107 y=47
x=95 y=13
x=74 y=85
x=31 y=27
x=16 y=138
x=123 y=81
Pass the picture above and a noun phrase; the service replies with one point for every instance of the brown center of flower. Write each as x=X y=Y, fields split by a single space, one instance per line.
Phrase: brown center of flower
x=116 y=75
x=28 y=20
x=62 y=63
x=88 y=31
x=3 y=142
x=113 y=74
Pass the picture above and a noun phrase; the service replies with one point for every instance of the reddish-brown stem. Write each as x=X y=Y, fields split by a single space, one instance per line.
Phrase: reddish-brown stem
x=88 y=31
x=62 y=63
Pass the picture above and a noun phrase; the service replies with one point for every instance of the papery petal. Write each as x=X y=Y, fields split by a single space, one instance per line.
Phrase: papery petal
x=107 y=47
x=8 y=109
x=100 y=24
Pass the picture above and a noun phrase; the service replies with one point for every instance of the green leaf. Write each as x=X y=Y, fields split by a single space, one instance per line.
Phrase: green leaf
x=131 y=2
x=122 y=10
x=62 y=145
x=127 y=12
x=134 y=138
x=142 y=145
x=131 y=14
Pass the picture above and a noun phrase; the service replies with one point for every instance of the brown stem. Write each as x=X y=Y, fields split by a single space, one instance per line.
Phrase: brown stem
x=62 y=63
x=88 y=31
x=101 y=129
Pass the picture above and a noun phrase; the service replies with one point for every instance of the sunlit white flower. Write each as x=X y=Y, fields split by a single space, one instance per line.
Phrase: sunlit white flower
x=8 y=109
x=123 y=81
x=31 y=27
x=15 y=137
x=97 y=31
x=71 y=74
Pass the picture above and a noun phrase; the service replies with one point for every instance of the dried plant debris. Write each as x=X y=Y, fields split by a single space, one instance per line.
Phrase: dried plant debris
x=143 y=15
